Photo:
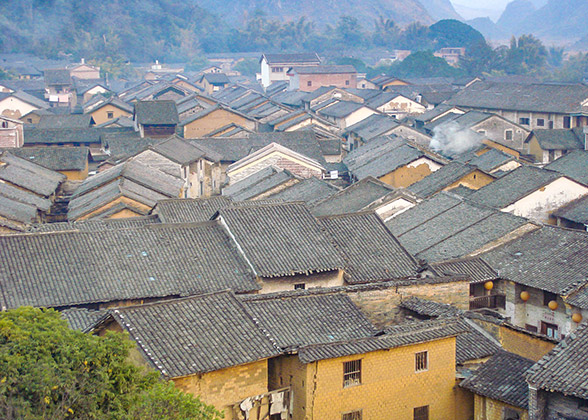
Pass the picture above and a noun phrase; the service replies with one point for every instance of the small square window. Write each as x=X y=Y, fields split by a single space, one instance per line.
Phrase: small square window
x=508 y=135
x=309 y=83
x=548 y=297
x=353 y=415
x=346 y=82
x=524 y=121
x=300 y=286
x=421 y=413
x=540 y=122
x=110 y=114
x=421 y=361
x=351 y=373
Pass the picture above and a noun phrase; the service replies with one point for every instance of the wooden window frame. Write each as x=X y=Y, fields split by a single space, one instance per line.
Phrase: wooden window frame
x=421 y=361
x=352 y=415
x=351 y=373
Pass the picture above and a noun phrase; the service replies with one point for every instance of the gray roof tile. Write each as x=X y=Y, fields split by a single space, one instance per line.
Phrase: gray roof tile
x=573 y=165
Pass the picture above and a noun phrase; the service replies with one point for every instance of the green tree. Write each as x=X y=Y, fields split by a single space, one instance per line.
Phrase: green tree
x=247 y=67
x=349 y=31
x=424 y=64
x=385 y=32
x=48 y=371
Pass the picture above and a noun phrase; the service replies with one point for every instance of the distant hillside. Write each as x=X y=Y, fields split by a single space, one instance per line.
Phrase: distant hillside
x=515 y=13
x=441 y=9
x=556 y=20
x=321 y=11
x=488 y=28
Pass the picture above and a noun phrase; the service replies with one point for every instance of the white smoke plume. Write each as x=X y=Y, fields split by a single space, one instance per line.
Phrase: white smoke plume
x=451 y=139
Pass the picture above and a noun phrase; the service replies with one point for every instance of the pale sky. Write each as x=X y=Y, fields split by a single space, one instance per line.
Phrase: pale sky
x=470 y=9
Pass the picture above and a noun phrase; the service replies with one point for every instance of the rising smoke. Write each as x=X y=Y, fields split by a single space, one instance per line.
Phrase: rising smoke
x=451 y=139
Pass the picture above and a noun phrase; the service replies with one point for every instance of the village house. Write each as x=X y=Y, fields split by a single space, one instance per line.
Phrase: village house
x=343 y=114
x=573 y=215
x=11 y=132
x=59 y=87
x=129 y=189
x=530 y=192
x=500 y=389
x=396 y=105
x=261 y=184
x=84 y=71
x=556 y=387
x=104 y=109
x=17 y=104
x=198 y=168
x=310 y=78
x=274 y=67
x=86 y=89
x=548 y=145
x=155 y=118
x=451 y=54
x=309 y=190
x=214 y=118
x=213 y=82
x=27 y=192
x=278 y=156
x=392 y=160
x=451 y=176
x=531 y=105
x=572 y=165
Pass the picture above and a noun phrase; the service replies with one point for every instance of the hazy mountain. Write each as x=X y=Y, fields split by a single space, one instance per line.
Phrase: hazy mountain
x=515 y=13
x=321 y=11
x=441 y=9
x=489 y=29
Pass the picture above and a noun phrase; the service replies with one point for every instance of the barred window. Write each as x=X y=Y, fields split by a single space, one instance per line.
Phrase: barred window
x=421 y=361
x=421 y=413
x=353 y=415
x=351 y=373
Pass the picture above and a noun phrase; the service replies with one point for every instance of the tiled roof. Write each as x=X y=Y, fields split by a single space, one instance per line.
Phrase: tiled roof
x=341 y=109
x=380 y=157
x=28 y=175
x=525 y=261
x=398 y=336
x=490 y=160
x=57 y=77
x=156 y=112
x=292 y=58
x=188 y=210
x=564 y=369
x=260 y=182
x=77 y=267
x=556 y=98
x=574 y=165
x=216 y=78
x=354 y=198
x=300 y=320
x=55 y=158
x=34 y=135
x=295 y=240
x=373 y=126
x=82 y=319
x=576 y=211
x=514 y=186
x=65 y=121
x=475 y=344
x=124 y=144
x=430 y=308
x=182 y=151
x=447 y=226
x=309 y=190
x=370 y=251
x=475 y=268
x=325 y=69
x=92 y=225
x=441 y=178
x=196 y=335
x=559 y=139
x=12 y=210
x=502 y=378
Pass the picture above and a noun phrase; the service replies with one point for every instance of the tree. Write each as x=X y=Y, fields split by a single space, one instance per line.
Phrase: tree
x=424 y=64
x=247 y=67
x=48 y=371
x=349 y=32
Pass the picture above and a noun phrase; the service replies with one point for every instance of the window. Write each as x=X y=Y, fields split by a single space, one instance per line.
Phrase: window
x=524 y=121
x=277 y=69
x=346 y=82
x=363 y=85
x=507 y=134
x=421 y=361
x=550 y=330
x=109 y=114
x=4 y=124
x=421 y=413
x=300 y=286
x=567 y=122
x=548 y=297
x=353 y=415
x=550 y=125
x=540 y=122
x=482 y=132
x=309 y=83
x=510 y=414
x=30 y=120
x=531 y=328
x=351 y=373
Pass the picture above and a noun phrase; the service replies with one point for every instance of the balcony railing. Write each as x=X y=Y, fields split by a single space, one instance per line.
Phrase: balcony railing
x=491 y=301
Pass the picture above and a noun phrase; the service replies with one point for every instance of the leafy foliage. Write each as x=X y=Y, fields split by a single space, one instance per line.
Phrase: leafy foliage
x=48 y=371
